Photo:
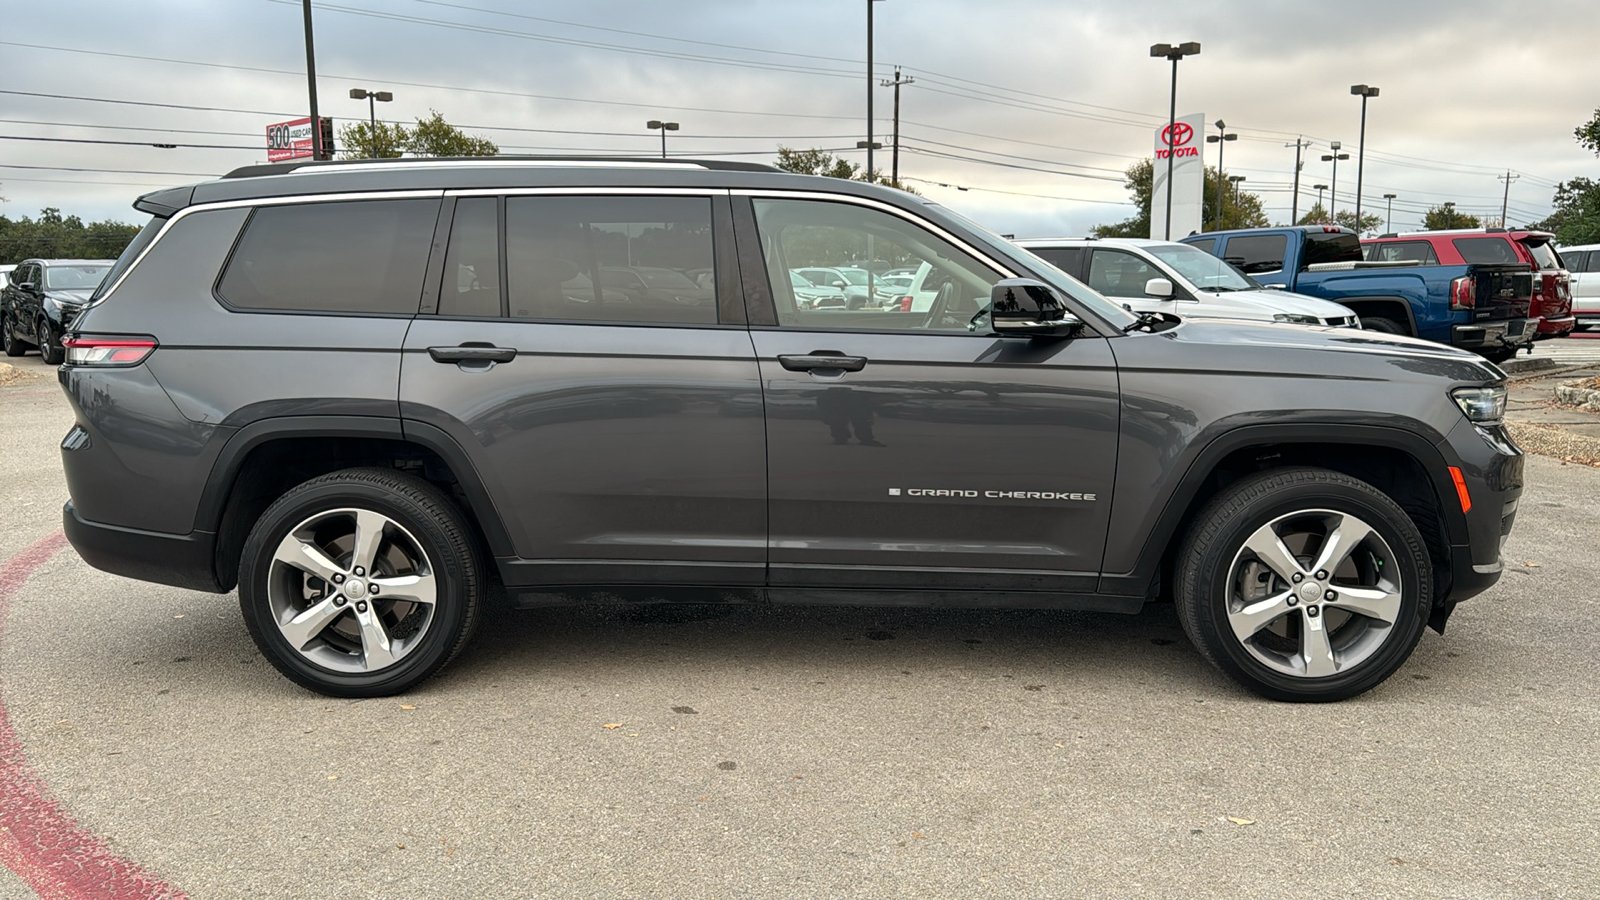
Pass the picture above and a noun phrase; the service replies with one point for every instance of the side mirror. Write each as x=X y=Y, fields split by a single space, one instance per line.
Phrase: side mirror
x=1024 y=307
x=27 y=286
x=1159 y=287
x=836 y=283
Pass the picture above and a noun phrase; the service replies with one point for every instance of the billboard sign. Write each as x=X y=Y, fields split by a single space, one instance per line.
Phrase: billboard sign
x=292 y=139
x=1183 y=143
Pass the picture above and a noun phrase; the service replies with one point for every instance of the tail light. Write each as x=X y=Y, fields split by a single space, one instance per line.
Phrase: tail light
x=905 y=304
x=1462 y=293
x=106 y=352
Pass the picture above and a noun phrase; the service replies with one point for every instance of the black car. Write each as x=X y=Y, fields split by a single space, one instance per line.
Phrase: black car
x=43 y=299
x=372 y=395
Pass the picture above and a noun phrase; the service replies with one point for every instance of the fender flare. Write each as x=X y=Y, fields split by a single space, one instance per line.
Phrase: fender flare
x=1180 y=502
x=1405 y=304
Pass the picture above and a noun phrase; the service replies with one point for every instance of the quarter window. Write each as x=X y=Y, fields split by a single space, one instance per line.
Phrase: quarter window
x=950 y=287
x=1067 y=259
x=614 y=259
x=359 y=257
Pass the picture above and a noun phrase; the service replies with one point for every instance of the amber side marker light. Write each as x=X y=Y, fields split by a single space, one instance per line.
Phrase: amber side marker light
x=1461 y=489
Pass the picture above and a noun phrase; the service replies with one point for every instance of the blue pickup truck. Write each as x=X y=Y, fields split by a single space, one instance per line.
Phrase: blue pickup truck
x=1476 y=307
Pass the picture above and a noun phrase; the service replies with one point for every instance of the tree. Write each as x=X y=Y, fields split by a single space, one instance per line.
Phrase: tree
x=432 y=136
x=1240 y=209
x=1317 y=215
x=818 y=162
x=54 y=236
x=1446 y=216
x=1576 y=219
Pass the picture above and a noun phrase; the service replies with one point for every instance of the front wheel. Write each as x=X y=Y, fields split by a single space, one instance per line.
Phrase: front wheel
x=361 y=583
x=1304 y=585
x=50 y=344
x=1380 y=324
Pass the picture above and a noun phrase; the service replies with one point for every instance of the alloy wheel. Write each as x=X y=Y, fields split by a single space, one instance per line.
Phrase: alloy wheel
x=1313 y=593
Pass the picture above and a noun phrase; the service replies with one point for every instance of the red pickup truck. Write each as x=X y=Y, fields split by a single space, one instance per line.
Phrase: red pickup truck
x=1552 y=284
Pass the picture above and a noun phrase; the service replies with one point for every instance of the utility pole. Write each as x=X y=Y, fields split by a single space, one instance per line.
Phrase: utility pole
x=894 y=166
x=1294 y=205
x=317 y=150
x=1506 y=199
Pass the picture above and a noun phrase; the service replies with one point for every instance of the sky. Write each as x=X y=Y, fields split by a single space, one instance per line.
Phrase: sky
x=1023 y=114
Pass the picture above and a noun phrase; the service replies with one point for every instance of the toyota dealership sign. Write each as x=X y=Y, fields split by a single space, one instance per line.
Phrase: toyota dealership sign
x=1182 y=143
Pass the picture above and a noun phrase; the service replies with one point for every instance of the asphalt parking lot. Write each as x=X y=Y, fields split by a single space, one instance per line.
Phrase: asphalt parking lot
x=746 y=752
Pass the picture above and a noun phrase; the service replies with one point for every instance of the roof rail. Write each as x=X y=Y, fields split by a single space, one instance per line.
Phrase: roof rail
x=444 y=162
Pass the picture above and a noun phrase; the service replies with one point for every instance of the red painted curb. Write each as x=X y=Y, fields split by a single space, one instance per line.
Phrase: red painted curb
x=39 y=840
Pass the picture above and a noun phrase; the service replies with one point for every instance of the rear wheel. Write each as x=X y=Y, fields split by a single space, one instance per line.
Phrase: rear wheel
x=1378 y=323
x=8 y=333
x=1304 y=585
x=50 y=343
x=360 y=583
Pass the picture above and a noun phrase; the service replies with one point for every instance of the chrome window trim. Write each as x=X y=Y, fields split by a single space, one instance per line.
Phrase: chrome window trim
x=260 y=201
x=1004 y=270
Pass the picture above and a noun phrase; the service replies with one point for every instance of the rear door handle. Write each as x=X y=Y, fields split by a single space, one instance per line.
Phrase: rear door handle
x=470 y=353
x=823 y=359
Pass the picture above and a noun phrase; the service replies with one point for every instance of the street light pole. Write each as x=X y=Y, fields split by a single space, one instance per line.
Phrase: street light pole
x=372 y=98
x=1333 y=192
x=870 y=145
x=1168 y=51
x=317 y=150
x=1221 y=139
x=1388 y=217
x=1236 y=179
x=1363 y=91
x=664 y=127
x=1319 y=188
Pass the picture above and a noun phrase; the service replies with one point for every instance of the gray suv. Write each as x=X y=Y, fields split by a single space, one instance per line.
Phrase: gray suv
x=371 y=395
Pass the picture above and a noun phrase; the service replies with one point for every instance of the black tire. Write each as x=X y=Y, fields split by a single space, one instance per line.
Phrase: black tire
x=1209 y=574
x=427 y=519
x=1386 y=326
x=50 y=344
x=8 y=334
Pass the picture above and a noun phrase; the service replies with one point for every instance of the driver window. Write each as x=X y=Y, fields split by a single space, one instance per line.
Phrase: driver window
x=948 y=287
x=1117 y=274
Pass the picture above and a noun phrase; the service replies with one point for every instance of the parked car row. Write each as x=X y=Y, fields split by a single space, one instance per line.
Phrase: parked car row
x=40 y=300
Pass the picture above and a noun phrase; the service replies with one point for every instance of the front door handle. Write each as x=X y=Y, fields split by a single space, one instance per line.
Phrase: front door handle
x=473 y=353
x=823 y=359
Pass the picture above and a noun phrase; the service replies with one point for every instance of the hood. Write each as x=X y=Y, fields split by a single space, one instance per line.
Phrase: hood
x=1263 y=346
x=1275 y=301
x=69 y=295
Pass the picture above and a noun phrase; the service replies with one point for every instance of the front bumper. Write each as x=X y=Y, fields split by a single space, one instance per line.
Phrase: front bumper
x=1489 y=335
x=181 y=560
x=1491 y=467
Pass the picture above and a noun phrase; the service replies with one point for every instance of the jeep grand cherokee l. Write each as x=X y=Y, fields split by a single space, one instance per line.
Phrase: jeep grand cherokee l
x=369 y=394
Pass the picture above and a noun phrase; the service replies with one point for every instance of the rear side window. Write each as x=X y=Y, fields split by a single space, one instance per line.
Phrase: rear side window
x=1257 y=252
x=647 y=260
x=358 y=256
x=1576 y=260
x=1067 y=259
x=130 y=253
x=1209 y=245
x=1418 y=253
x=472 y=262
x=1331 y=247
x=1486 y=250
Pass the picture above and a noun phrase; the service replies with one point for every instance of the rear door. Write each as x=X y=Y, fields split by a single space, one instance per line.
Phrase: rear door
x=914 y=451
x=618 y=433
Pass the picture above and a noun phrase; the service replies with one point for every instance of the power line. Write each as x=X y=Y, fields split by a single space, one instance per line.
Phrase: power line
x=62 y=140
x=107 y=171
x=960 y=187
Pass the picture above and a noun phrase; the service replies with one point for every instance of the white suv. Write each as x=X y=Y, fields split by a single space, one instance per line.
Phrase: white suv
x=1583 y=261
x=1165 y=276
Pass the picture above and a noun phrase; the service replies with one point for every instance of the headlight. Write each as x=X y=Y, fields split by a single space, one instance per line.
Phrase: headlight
x=1482 y=405
x=1296 y=319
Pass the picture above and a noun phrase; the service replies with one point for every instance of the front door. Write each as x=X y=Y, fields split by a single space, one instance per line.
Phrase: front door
x=618 y=429
x=912 y=450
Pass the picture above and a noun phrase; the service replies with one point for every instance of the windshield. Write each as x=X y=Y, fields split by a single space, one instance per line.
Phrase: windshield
x=1203 y=270
x=67 y=278
x=666 y=279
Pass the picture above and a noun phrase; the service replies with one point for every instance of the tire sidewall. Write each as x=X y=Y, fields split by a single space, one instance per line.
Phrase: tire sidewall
x=1416 y=589
x=49 y=343
x=450 y=572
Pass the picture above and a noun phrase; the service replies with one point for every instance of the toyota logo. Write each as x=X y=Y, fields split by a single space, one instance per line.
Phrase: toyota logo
x=1178 y=135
